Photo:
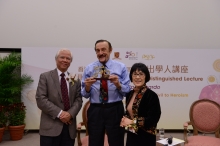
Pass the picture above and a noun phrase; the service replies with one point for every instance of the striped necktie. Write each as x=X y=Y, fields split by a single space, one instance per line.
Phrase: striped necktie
x=64 y=91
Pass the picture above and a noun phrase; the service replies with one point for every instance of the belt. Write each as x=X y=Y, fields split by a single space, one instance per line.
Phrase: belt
x=106 y=105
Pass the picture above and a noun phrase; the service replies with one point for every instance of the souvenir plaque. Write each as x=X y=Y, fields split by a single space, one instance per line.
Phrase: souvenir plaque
x=101 y=73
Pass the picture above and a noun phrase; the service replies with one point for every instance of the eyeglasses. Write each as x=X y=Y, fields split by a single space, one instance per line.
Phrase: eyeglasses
x=141 y=75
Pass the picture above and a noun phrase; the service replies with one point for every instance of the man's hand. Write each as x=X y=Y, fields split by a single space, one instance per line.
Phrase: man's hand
x=115 y=81
x=65 y=117
x=88 y=83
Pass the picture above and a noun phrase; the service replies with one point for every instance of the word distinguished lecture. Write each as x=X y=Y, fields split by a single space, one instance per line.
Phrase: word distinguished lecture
x=163 y=79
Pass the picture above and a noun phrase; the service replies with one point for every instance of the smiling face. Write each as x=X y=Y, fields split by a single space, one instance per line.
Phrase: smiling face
x=63 y=60
x=138 y=78
x=103 y=51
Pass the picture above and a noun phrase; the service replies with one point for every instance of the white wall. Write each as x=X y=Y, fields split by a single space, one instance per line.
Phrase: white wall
x=125 y=23
x=2 y=55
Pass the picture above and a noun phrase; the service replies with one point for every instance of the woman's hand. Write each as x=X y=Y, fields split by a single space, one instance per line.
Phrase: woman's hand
x=125 y=121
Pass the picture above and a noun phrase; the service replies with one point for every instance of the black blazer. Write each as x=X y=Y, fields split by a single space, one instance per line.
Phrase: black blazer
x=149 y=108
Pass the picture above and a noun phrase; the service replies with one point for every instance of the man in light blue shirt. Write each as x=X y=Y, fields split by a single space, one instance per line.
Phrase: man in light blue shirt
x=105 y=116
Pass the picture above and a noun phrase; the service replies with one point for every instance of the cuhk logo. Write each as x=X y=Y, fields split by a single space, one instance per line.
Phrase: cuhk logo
x=131 y=55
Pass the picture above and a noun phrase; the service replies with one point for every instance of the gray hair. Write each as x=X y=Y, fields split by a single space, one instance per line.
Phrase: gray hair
x=64 y=49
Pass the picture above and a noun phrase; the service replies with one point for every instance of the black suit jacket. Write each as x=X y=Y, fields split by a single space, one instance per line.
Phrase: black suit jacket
x=149 y=108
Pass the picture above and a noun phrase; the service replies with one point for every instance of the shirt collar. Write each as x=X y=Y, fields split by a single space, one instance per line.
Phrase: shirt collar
x=59 y=73
x=107 y=64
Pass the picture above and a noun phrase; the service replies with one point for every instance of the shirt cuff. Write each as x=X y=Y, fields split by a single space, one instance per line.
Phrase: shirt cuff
x=58 y=116
x=85 y=94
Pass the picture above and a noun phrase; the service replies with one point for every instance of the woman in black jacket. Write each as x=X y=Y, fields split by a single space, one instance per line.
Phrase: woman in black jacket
x=142 y=109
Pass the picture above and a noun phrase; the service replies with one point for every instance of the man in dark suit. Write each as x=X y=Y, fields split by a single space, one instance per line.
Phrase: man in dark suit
x=60 y=101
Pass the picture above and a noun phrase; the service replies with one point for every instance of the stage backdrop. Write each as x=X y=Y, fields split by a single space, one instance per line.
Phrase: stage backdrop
x=178 y=76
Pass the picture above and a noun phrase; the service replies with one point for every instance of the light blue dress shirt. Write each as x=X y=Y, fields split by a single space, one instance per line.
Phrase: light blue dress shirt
x=114 y=95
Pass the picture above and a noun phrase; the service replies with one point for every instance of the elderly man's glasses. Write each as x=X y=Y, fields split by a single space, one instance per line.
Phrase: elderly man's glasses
x=135 y=75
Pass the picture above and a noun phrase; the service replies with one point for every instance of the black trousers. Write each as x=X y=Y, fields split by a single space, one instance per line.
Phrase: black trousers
x=62 y=140
x=107 y=119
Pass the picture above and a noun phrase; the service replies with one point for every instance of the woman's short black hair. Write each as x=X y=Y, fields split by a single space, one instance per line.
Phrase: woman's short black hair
x=140 y=67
